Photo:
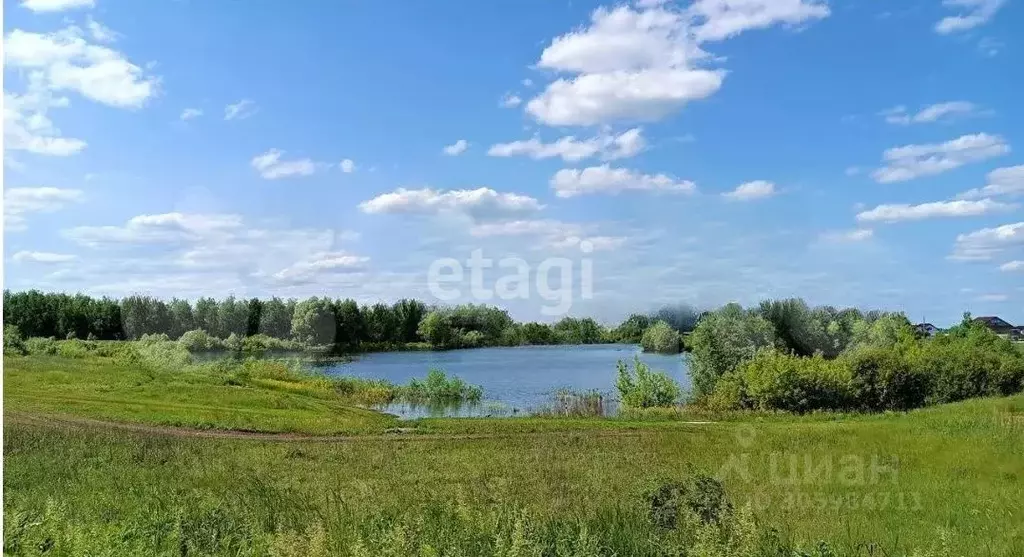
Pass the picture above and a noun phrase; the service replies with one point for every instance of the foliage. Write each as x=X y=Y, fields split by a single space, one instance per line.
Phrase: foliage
x=439 y=388
x=640 y=387
x=14 y=344
x=198 y=340
x=662 y=338
x=573 y=330
x=702 y=495
x=632 y=329
x=722 y=341
x=313 y=321
x=777 y=381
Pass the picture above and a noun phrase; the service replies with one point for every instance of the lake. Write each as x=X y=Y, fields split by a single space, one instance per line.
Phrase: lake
x=516 y=380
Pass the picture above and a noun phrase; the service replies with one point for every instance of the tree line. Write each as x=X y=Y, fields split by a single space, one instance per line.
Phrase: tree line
x=317 y=321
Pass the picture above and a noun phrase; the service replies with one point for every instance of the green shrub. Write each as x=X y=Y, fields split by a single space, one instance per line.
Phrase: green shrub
x=776 y=381
x=42 y=346
x=886 y=379
x=642 y=388
x=662 y=338
x=699 y=494
x=14 y=343
x=73 y=348
x=722 y=341
x=198 y=340
x=439 y=388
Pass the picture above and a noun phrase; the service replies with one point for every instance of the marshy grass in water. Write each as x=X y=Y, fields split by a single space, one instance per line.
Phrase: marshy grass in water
x=575 y=404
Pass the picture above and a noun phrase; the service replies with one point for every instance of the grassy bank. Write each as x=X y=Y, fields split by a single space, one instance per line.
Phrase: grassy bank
x=946 y=480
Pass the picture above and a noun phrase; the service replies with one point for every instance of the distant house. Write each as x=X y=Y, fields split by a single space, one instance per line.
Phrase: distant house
x=926 y=329
x=998 y=326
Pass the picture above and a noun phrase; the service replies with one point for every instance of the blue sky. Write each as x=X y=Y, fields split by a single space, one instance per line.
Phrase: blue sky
x=860 y=154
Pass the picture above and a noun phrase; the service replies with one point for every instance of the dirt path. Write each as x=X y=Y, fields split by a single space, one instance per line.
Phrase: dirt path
x=398 y=434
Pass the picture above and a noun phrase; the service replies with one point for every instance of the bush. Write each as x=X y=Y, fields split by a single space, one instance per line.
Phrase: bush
x=198 y=340
x=41 y=346
x=14 y=344
x=722 y=341
x=700 y=494
x=776 y=381
x=439 y=388
x=643 y=388
x=886 y=379
x=661 y=338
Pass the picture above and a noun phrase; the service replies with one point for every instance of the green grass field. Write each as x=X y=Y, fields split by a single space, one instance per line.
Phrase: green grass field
x=946 y=480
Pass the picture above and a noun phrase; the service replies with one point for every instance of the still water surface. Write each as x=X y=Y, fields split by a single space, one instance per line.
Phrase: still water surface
x=516 y=380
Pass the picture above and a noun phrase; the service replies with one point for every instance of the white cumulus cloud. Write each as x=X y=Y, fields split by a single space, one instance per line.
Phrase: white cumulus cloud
x=758 y=189
x=240 y=110
x=984 y=244
x=20 y=202
x=972 y=14
x=480 y=204
x=56 y=5
x=67 y=62
x=645 y=62
x=934 y=113
x=347 y=166
x=1001 y=181
x=935 y=209
x=456 y=148
x=271 y=167
x=1015 y=265
x=571 y=149
x=571 y=182
x=914 y=161
x=844 y=236
x=42 y=257
x=190 y=113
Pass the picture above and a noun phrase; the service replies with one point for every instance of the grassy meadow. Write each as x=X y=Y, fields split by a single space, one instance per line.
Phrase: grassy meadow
x=945 y=480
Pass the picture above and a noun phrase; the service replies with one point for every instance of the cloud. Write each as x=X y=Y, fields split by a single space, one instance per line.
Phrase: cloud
x=99 y=32
x=456 y=148
x=605 y=179
x=27 y=126
x=67 y=62
x=204 y=253
x=604 y=97
x=844 y=236
x=645 y=63
x=570 y=149
x=42 y=257
x=1001 y=181
x=20 y=202
x=935 y=209
x=165 y=228
x=549 y=233
x=190 y=113
x=914 y=161
x=347 y=166
x=984 y=244
x=311 y=269
x=240 y=110
x=1015 y=265
x=510 y=101
x=758 y=189
x=946 y=111
x=479 y=204
x=271 y=167
x=992 y=298
x=56 y=5
x=978 y=12
x=722 y=19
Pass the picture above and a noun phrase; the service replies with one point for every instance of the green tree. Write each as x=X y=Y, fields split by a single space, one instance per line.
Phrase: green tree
x=232 y=317
x=408 y=314
x=632 y=329
x=722 y=341
x=662 y=338
x=182 y=318
x=276 y=318
x=313 y=321
x=436 y=329
x=205 y=315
